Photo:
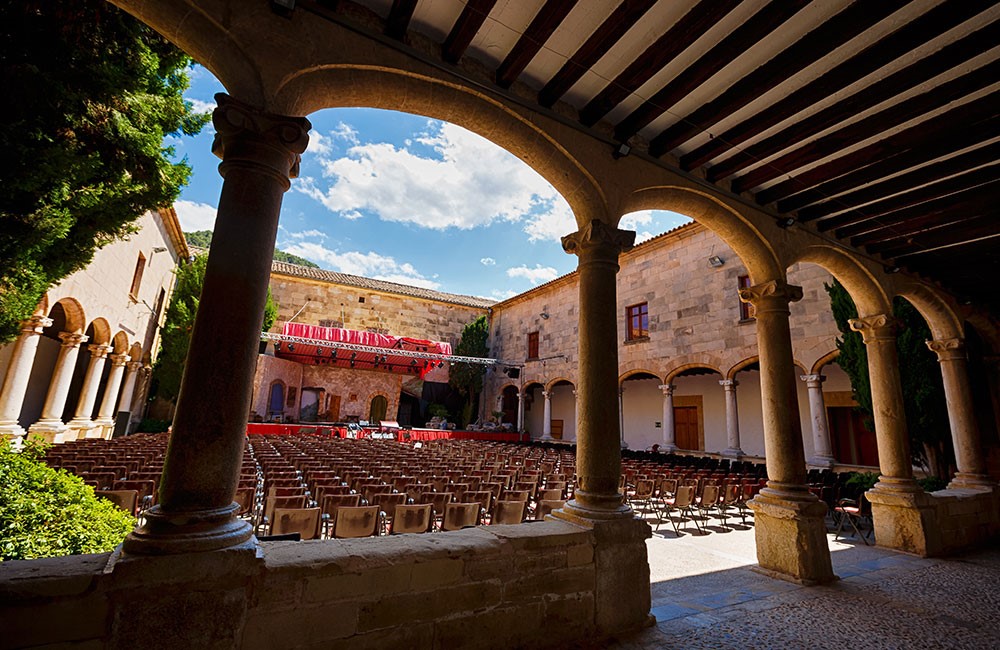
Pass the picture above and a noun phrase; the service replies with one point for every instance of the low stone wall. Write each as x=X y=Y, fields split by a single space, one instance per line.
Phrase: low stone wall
x=966 y=518
x=540 y=584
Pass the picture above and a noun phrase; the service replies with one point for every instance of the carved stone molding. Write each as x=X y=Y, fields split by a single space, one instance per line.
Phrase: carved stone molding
x=813 y=380
x=98 y=350
x=35 y=325
x=729 y=384
x=948 y=349
x=599 y=238
x=774 y=295
x=118 y=360
x=247 y=135
x=668 y=389
x=72 y=339
x=880 y=327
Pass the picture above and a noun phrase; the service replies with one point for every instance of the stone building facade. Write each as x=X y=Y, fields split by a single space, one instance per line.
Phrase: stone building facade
x=81 y=363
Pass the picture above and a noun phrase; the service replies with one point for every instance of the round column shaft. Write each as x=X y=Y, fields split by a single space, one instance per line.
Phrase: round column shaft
x=259 y=152
x=546 y=415
x=822 y=451
x=55 y=401
x=669 y=426
x=106 y=411
x=598 y=449
x=91 y=383
x=15 y=385
x=732 y=418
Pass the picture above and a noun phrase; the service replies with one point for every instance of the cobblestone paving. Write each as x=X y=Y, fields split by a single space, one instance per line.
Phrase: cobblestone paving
x=706 y=594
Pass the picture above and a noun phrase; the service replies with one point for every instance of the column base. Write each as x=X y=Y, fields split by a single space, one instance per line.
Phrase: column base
x=790 y=529
x=668 y=447
x=904 y=518
x=733 y=453
x=966 y=481
x=589 y=507
x=13 y=433
x=170 y=533
x=51 y=431
x=624 y=445
x=822 y=462
x=546 y=438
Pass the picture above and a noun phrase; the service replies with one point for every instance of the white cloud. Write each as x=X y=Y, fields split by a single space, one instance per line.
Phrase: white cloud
x=316 y=234
x=633 y=220
x=488 y=261
x=536 y=275
x=195 y=216
x=319 y=144
x=469 y=183
x=553 y=223
x=346 y=132
x=642 y=236
x=369 y=265
x=502 y=294
x=201 y=106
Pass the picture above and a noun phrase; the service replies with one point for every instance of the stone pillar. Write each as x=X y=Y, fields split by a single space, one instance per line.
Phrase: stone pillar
x=621 y=415
x=789 y=521
x=196 y=512
x=598 y=446
x=82 y=422
x=131 y=376
x=576 y=415
x=15 y=384
x=822 y=451
x=669 y=427
x=106 y=411
x=732 y=419
x=50 y=427
x=961 y=415
x=520 y=411
x=547 y=415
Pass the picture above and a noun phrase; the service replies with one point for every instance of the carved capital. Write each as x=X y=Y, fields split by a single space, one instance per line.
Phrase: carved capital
x=948 y=349
x=729 y=384
x=72 y=339
x=600 y=239
x=668 y=389
x=35 y=324
x=118 y=360
x=813 y=380
x=249 y=136
x=133 y=366
x=546 y=394
x=880 y=327
x=774 y=295
x=98 y=350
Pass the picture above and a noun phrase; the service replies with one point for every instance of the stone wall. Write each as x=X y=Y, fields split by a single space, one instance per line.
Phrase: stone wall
x=536 y=585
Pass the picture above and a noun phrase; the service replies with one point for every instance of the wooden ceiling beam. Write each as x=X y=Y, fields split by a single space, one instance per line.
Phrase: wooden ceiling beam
x=948 y=235
x=545 y=22
x=604 y=37
x=964 y=116
x=399 y=18
x=465 y=28
x=741 y=39
x=958 y=164
x=937 y=145
x=677 y=39
x=970 y=201
x=833 y=33
x=880 y=53
x=869 y=127
x=914 y=198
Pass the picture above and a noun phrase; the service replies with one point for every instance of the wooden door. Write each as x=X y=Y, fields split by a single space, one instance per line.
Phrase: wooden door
x=686 y=427
x=557 y=429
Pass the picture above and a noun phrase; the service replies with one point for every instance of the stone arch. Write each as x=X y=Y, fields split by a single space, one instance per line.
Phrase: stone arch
x=827 y=358
x=119 y=343
x=738 y=232
x=42 y=308
x=943 y=322
x=76 y=318
x=552 y=384
x=347 y=85
x=102 y=331
x=862 y=285
x=636 y=371
x=528 y=385
x=675 y=372
x=745 y=363
x=135 y=353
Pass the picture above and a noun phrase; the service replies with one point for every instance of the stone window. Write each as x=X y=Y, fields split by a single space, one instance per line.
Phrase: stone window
x=140 y=266
x=746 y=309
x=637 y=319
x=532 y=345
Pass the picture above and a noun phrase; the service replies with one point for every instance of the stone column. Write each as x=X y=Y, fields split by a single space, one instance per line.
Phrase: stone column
x=732 y=419
x=15 y=384
x=131 y=376
x=669 y=427
x=961 y=415
x=106 y=411
x=196 y=512
x=547 y=415
x=576 y=415
x=82 y=422
x=822 y=451
x=50 y=427
x=789 y=521
x=598 y=447
x=520 y=411
x=621 y=415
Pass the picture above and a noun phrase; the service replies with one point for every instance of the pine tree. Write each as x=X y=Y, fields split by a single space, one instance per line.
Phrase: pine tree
x=467 y=378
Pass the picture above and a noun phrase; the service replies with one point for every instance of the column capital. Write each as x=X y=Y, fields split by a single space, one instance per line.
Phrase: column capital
x=813 y=379
x=546 y=394
x=134 y=366
x=98 y=350
x=774 y=295
x=948 y=349
x=118 y=360
x=668 y=389
x=879 y=327
x=729 y=384
x=35 y=324
x=72 y=339
x=246 y=135
x=599 y=239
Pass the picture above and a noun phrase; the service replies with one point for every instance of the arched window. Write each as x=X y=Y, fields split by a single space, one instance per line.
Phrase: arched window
x=276 y=403
x=379 y=406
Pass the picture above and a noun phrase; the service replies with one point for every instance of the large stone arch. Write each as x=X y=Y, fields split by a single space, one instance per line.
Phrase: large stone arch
x=678 y=370
x=738 y=232
x=741 y=365
x=552 y=383
x=943 y=322
x=102 y=331
x=860 y=282
x=823 y=361
x=119 y=343
x=636 y=371
x=76 y=317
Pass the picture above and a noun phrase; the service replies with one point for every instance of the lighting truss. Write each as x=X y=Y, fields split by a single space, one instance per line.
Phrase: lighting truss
x=396 y=352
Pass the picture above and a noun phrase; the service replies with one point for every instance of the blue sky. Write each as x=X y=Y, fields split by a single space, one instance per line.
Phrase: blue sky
x=408 y=199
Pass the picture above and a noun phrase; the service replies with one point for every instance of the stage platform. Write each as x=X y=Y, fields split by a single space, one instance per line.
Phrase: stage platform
x=405 y=434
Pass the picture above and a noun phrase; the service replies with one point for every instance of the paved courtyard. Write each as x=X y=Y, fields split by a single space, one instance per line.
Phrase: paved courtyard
x=706 y=595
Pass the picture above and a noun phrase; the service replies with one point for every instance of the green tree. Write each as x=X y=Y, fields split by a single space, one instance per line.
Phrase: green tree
x=175 y=337
x=923 y=388
x=45 y=512
x=203 y=239
x=96 y=92
x=467 y=378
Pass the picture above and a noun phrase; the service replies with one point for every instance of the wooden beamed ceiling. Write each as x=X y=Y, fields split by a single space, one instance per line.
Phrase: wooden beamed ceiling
x=874 y=122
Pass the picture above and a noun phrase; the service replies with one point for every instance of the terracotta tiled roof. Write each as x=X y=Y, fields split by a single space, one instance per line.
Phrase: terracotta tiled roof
x=322 y=275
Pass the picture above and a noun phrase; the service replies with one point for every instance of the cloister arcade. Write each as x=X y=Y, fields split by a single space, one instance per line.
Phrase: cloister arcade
x=281 y=66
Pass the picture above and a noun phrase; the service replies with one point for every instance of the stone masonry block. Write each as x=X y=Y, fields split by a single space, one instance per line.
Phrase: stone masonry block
x=365 y=585
x=428 y=605
x=507 y=627
x=561 y=581
x=63 y=621
x=299 y=627
x=579 y=555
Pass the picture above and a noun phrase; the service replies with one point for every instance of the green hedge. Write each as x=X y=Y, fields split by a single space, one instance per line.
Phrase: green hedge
x=46 y=512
